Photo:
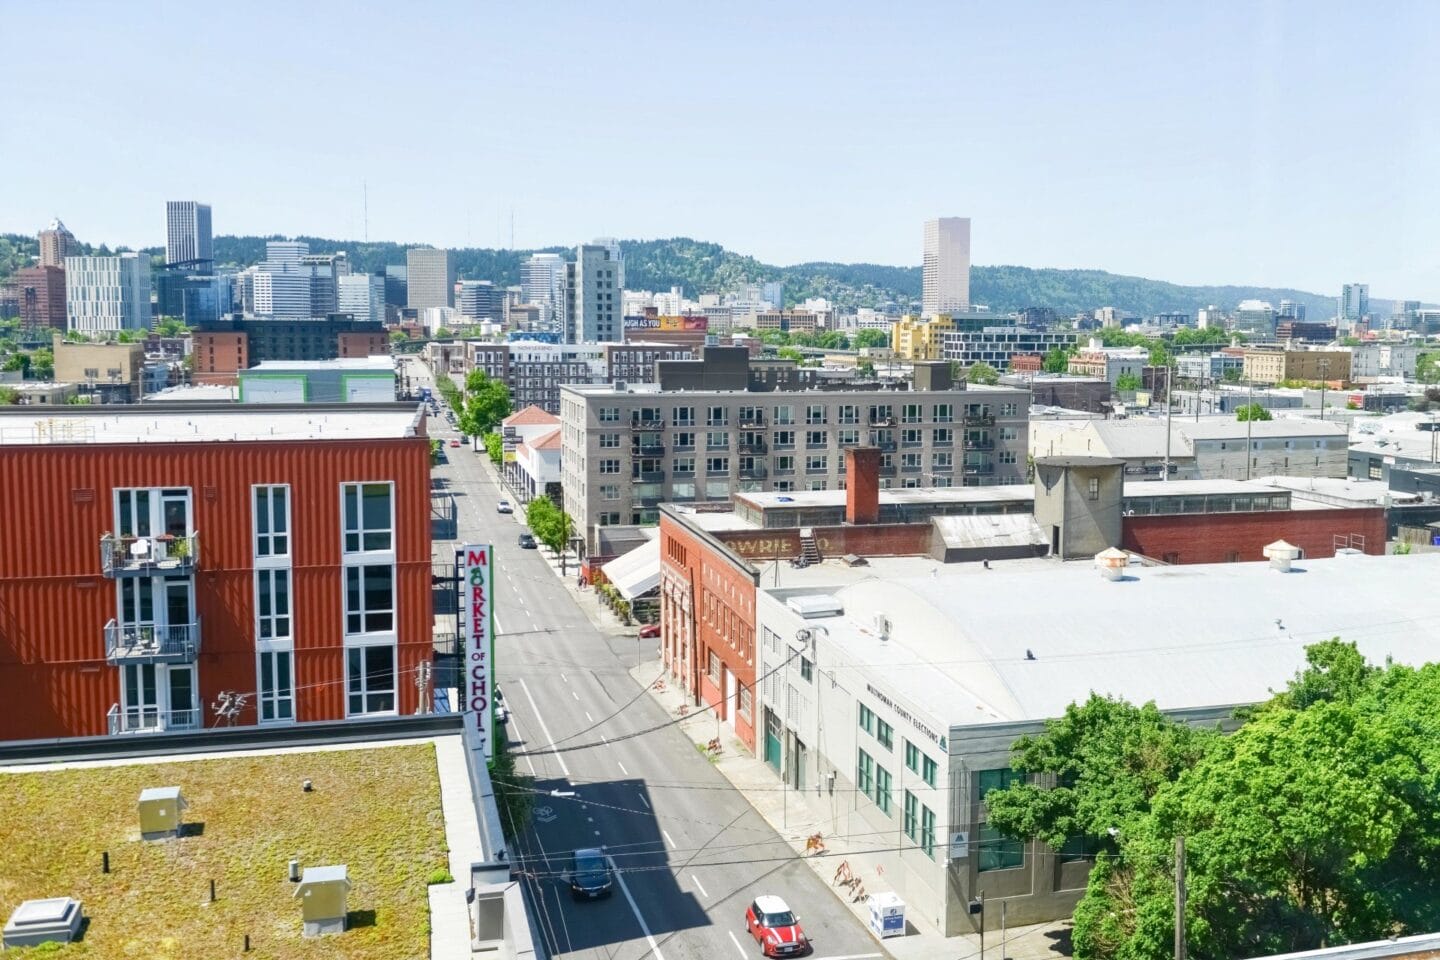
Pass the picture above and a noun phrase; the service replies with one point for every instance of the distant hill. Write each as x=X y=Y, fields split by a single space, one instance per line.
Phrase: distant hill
x=699 y=267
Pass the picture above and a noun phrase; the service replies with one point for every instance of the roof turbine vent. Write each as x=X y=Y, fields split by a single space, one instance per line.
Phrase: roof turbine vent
x=1281 y=555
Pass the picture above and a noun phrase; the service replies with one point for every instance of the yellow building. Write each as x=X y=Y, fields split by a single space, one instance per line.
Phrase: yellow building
x=914 y=339
x=1278 y=366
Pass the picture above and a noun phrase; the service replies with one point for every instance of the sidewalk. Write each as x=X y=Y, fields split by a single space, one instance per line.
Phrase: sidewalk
x=449 y=914
x=795 y=816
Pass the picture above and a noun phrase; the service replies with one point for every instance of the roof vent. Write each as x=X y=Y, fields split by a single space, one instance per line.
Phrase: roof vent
x=816 y=605
x=1112 y=563
x=1281 y=555
x=160 y=813
x=882 y=627
x=854 y=560
x=325 y=893
x=53 y=920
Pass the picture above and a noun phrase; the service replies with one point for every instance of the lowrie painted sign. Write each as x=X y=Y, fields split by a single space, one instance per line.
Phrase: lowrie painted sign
x=475 y=563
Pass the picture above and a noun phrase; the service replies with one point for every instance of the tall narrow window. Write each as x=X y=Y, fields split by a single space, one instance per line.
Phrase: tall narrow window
x=369 y=518
x=272 y=604
x=370 y=680
x=272 y=521
x=277 y=687
x=370 y=599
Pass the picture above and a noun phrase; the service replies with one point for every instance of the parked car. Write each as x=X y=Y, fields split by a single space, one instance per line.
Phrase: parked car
x=589 y=874
x=502 y=712
x=454 y=443
x=650 y=631
x=503 y=506
x=775 y=928
x=527 y=541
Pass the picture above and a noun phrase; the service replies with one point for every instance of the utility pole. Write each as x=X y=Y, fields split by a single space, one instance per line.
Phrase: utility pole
x=1324 y=372
x=1249 y=424
x=1169 y=409
x=1180 y=898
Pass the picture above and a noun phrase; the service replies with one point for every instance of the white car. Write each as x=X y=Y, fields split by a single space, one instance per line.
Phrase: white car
x=504 y=507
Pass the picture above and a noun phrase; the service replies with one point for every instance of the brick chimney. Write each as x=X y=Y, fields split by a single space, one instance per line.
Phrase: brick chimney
x=862 y=485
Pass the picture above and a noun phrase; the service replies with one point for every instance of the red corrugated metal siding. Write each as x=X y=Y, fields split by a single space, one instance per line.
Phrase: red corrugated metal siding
x=54 y=602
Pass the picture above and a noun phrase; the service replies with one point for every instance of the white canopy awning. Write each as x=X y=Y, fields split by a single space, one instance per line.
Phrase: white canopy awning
x=637 y=572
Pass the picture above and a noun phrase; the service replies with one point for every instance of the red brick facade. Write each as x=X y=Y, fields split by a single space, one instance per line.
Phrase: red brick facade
x=707 y=626
x=219 y=357
x=362 y=344
x=1228 y=537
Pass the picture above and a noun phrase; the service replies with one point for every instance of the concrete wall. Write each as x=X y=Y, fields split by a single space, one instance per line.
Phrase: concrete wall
x=1079 y=525
x=1225 y=537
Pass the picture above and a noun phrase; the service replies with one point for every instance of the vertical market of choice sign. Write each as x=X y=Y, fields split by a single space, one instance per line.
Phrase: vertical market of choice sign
x=477 y=619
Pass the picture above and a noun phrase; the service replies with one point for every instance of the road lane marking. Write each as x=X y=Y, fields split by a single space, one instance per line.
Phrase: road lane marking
x=644 y=801
x=575 y=695
x=622 y=768
x=516 y=727
x=667 y=836
x=738 y=949
x=635 y=909
x=855 y=956
x=544 y=729
x=696 y=880
x=588 y=718
x=565 y=678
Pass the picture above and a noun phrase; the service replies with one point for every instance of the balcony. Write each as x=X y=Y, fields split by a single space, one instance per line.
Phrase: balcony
x=648 y=450
x=943 y=467
x=886 y=446
x=128 y=643
x=150 y=720
x=909 y=468
x=753 y=419
x=981 y=419
x=984 y=444
x=912 y=443
x=648 y=476
x=148 y=556
x=753 y=446
x=754 y=473
x=879 y=421
x=640 y=423
x=887 y=471
x=979 y=469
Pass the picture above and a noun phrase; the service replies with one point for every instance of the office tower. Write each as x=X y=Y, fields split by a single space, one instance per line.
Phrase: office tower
x=774 y=293
x=396 y=292
x=191 y=292
x=946 y=271
x=542 y=278
x=286 y=251
x=1255 y=318
x=107 y=293
x=187 y=232
x=362 y=295
x=592 y=302
x=430 y=278
x=325 y=271
x=282 y=294
x=1354 y=303
x=1290 y=310
x=482 y=300
x=56 y=243
x=40 y=296
x=613 y=245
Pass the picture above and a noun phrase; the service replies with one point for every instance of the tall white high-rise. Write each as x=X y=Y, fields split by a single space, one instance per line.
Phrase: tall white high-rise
x=431 y=278
x=362 y=295
x=187 y=232
x=542 y=278
x=107 y=293
x=945 y=276
x=616 y=257
x=1354 y=303
x=593 y=302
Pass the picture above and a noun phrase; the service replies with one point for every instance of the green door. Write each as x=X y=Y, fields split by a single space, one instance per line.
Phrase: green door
x=772 y=740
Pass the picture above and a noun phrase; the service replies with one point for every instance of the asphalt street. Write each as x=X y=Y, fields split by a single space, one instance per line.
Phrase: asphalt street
x=689 y=851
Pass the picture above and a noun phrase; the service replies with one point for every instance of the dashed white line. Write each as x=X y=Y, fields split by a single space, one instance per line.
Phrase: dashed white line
x=575 y=695
x=644 y=801
x=565 y=678
x=622 y=768
x=696 y=880
x=666 y=834
x=620 y=878
x=588 y=718
x=738 y=948
x=544 y=729
x=855 y=956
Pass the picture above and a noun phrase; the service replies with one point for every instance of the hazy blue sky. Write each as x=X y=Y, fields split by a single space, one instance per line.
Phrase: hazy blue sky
x=1246 y=142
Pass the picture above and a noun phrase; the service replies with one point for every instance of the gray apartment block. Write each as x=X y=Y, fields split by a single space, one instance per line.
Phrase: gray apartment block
x=996 y=345
x=536 y=371
x=627 y=451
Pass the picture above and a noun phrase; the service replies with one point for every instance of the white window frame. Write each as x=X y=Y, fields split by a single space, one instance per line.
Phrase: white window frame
x=364 y=692
x=360 y=531
x=362 y=611
x=273 y=699
x=267 y=576
x=265 y=493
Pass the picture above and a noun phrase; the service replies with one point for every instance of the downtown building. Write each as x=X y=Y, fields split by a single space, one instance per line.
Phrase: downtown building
x=945 y=271
x=361 y=296
x=194 y=552
x=107 y=294
x=187 y=233
x=429 y=279
x=995 y=345
x=714 y=426
x=592 y=307
x=223 y=348
x=534 y=371
x=39 y=296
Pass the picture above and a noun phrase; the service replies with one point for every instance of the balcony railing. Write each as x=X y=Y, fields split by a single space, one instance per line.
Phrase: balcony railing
x=753 y=446
x=979 y=469
x=640 y=423
x=887 y=446
x=649 y=449
x=648 y=476
x=752 y=420
x=148 y=556
x=988 y=444
x=129 y=643
x=881 y=421
x=983 y=419
x=753 y=473
x=150 y=720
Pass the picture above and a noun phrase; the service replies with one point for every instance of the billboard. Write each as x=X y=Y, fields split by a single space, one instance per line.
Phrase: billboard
x=699 y=324
x=475 y=563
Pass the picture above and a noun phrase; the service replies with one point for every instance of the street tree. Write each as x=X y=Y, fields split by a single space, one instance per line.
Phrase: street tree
x=1252 y=411
x=982 y=373
x=487 y=402
x=872 y=338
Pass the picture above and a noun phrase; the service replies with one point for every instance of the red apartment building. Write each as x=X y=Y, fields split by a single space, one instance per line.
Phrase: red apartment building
x=166 y=557
x=40 y=296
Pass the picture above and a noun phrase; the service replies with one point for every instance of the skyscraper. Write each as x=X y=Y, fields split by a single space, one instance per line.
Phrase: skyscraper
x=1354 y=304
x=430 y=278
x=56 y=243
x=542 y=278
x=362 y=295
x=616 y=257
x=592 y=303
x=482 y=300
x=108 y=293
x=187 y=232
x=946 y=272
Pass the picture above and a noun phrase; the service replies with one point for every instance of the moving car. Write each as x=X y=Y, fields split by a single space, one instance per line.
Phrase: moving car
x=650 y=631
x=775 y=928
x=454 y=443
x=502 y=712
x=503 y=506
x=589 y=874
x=526 y=541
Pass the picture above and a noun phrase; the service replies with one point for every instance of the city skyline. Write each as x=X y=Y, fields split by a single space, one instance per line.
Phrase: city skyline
x=1110 y=144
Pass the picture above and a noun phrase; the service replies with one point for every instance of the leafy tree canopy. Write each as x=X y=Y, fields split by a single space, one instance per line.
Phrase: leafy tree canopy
x=487 y=402
x=551 y=525
x=872 y=338
x=982 y=372
x=1252 y=411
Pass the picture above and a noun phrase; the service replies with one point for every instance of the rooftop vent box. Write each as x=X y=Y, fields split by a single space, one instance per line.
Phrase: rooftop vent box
x=816 y=605
x=160 y=813
x=854 y=560
x=56 y=919
x=324 y=894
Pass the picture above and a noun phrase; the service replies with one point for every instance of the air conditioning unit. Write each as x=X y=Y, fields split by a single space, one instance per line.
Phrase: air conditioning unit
x=882 y=627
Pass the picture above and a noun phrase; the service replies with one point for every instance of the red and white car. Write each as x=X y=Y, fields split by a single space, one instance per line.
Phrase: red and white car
x=775 y=928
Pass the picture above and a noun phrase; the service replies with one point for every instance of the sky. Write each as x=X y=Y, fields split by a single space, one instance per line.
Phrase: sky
x=1280 y=144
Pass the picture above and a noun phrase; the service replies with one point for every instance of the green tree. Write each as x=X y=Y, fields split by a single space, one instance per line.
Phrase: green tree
x=551 y=525
x=1252 y=411
x=790 y=353
x=18 y=361
x=171 y=327
x=865 y=368
x=398 y=336
x=872 y=338
x=834 y=340
x=42 y=364
x=126 y=336
x=774 y=338
x=436 y=445
x=9 y=395
x=1160 y=356
x=981 y=372
x=1128 y=382
x=486 y=403
x=444 y=333
x=1056 y=360
x=495 y=448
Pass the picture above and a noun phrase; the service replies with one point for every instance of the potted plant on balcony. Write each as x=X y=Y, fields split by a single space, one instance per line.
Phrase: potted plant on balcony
x=178 y=548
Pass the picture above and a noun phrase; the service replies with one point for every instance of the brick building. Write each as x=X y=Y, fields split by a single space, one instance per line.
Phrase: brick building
x=224 y=348
x=40 y=296
x=168 y=556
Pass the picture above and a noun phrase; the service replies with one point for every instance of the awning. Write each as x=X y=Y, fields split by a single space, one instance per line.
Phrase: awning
x=637 y=572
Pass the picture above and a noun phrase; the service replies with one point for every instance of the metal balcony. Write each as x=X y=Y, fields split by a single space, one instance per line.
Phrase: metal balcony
x=980 y=444
x=878 y=421
x=887 y=446
x=979 y=469
x=636 y=423
x=943 y=467
x=981 y=419
x=150 y=720
x=128 y=643
x=648 y=450
x=648 y=476
x=148 y=556
x=751 y=420
x=754 y=473
x=756 y=446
